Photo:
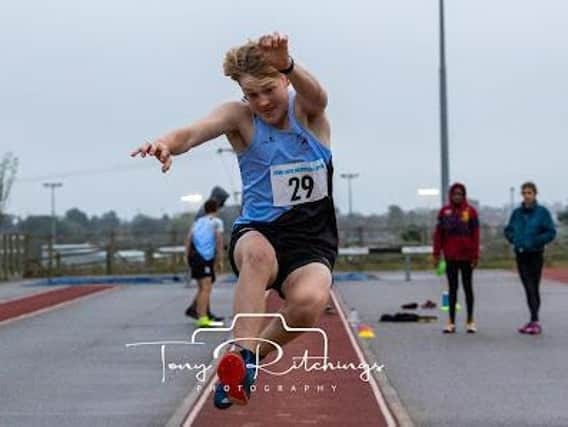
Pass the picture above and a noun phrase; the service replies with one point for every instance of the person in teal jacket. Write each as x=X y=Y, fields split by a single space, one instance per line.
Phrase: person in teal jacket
x=529 y=230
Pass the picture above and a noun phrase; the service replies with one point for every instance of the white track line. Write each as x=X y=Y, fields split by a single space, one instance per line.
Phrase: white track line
x=376 y=391
x=200 y=402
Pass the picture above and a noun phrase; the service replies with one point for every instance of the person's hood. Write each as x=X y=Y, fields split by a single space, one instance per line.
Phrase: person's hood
x=454 y=186
x=219 y=195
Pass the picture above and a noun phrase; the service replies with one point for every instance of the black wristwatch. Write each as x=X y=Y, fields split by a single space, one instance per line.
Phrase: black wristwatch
x=290 y=68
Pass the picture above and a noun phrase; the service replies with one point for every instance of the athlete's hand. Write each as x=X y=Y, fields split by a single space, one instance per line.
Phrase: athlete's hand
x=158 y=149
x=275 y=49
x=474 y=263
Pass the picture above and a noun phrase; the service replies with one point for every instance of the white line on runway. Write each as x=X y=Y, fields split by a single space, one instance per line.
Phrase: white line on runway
x=376 y=391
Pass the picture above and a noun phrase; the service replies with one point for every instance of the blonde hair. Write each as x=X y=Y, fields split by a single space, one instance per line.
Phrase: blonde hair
x=247 y=59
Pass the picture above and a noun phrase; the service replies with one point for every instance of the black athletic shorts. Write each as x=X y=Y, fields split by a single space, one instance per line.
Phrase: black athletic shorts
x=201 y=268
x=305 y=234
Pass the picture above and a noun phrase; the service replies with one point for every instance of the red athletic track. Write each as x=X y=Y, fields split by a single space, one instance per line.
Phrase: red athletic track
x=352 y=404
x=558 y=274
x=30 y=304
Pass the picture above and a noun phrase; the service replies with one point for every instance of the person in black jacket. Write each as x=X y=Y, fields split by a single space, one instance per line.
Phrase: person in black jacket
x=529 y=230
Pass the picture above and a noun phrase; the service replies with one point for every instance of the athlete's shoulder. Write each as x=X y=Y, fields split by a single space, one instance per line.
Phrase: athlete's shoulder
x=217 y=222
x=241 y=117
x=236 y=110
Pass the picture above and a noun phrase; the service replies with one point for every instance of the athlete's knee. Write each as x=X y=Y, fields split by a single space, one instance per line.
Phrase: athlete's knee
x=256 y=255
x=307 y=308
x=205 y=290
x=318 y=299
x=303 y=316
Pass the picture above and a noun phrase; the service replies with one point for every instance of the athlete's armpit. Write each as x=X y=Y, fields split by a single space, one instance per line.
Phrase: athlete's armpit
x=318 y=125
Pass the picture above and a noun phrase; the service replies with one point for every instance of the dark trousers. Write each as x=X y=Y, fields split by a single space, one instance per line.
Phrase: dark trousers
x=529 y=265
x=452 y=272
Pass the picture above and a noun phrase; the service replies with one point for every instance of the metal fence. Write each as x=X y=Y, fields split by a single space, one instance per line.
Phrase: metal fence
x=12 y=256
x=129 y=253
x=110 y=253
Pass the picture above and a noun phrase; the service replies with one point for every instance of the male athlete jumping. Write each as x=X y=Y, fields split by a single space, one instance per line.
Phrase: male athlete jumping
x=286 y=236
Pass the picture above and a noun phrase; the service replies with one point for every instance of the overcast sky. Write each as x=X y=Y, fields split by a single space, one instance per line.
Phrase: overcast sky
x=83 y=83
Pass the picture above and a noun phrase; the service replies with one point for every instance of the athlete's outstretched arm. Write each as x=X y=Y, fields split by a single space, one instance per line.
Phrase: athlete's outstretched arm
x=222 y=120
x=309 y=91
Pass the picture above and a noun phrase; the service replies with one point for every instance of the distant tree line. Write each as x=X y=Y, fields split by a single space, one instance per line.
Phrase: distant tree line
x=76 y=226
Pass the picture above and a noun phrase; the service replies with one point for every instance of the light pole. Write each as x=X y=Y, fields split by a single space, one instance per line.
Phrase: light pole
x=52 y=186
x=349 y=177
x=444 y=157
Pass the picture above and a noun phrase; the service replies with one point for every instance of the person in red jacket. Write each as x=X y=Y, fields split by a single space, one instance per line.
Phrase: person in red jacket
x=457 y=238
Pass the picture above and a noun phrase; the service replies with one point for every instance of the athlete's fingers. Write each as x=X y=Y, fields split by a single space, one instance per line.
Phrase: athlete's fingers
x=164 y=154
x=262 y=42
x=276 y=37
x=155 y=149
x=147 y=148
x=283 y=40
x=141 y=150
x=167 y=165
x=266 y=41
x=136 y=152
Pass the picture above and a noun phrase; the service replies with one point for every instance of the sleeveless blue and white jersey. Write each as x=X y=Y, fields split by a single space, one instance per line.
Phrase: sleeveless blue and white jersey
x=283 y=170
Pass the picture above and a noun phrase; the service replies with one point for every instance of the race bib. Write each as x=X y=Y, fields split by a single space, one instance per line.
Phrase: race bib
x=297 y=183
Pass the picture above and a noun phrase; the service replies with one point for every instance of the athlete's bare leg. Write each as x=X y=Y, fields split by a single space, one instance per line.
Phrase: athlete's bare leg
x=256 y=261
x=203 y=295
x=307 y=293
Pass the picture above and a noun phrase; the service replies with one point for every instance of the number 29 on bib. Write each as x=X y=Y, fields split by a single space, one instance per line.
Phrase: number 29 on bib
x=297 y=183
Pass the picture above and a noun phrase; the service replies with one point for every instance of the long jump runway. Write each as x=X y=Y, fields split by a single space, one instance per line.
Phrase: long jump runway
x=334 y=397
x=65 y=362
